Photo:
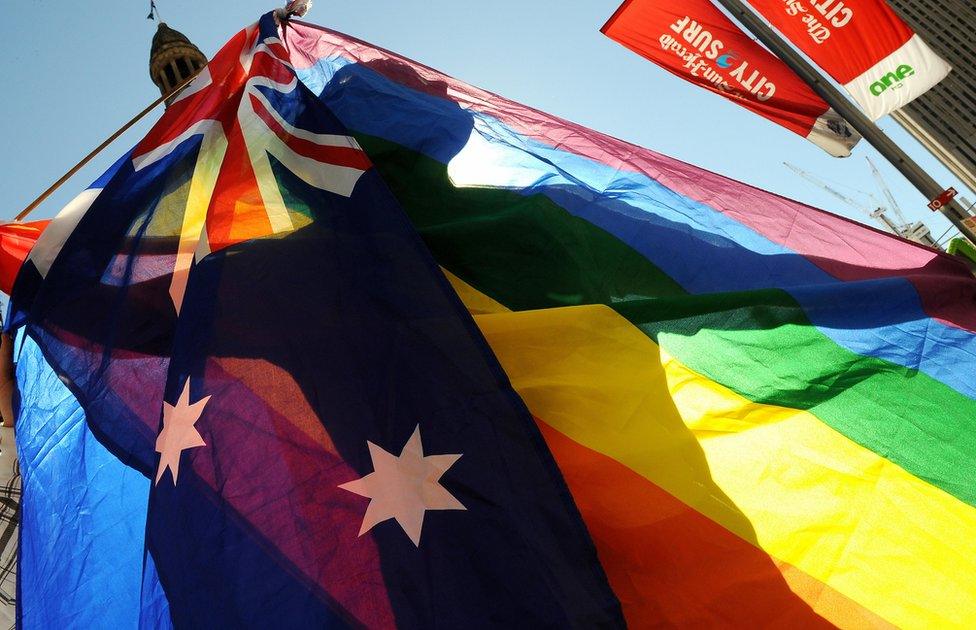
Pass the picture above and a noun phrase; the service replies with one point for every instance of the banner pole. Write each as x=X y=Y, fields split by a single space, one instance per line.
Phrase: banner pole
x=845 y=108
x=85 y=160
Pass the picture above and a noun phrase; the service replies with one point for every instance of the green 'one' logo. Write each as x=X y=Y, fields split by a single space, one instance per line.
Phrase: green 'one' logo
x=892 y=79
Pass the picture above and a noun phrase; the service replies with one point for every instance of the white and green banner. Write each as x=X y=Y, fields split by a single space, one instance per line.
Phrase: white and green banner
x=863 y=45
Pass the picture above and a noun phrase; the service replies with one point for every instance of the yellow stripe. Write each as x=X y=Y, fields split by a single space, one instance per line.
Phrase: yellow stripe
x=778 y=477
x=202 y=186
x=476 y=302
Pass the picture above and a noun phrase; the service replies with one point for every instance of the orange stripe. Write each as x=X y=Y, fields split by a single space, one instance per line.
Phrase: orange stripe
x=670 y=565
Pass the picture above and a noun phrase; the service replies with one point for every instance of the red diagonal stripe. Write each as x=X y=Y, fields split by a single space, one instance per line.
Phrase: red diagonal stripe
x=671 y=566
x=340 y=156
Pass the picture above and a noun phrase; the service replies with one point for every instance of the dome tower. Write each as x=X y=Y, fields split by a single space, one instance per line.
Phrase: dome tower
x=172 y=60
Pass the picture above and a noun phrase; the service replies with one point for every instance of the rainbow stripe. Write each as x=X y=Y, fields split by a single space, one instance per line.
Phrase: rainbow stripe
x=764 y=412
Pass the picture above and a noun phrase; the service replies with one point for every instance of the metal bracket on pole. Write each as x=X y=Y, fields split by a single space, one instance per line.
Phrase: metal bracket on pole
x=868 y=130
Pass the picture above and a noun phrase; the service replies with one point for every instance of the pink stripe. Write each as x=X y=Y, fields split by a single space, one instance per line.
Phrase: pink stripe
x=843 y=248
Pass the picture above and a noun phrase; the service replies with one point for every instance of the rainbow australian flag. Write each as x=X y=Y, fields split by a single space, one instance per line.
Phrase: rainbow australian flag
x=347 y=342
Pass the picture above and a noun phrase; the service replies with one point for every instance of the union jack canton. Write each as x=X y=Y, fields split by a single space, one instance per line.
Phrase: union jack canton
x=247 y=108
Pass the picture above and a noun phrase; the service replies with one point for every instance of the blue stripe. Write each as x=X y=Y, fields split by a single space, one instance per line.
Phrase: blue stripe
x=83 y=516
x=700 y=248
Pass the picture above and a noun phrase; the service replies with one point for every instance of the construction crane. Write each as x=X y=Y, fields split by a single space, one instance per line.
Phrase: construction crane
x=917 y=231
x=892 y=204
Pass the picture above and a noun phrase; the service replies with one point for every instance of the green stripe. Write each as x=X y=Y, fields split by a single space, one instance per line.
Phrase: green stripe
x=551 y=253
x=527 y=252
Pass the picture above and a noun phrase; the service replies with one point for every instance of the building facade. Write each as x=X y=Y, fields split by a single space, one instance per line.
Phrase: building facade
x=944 y=118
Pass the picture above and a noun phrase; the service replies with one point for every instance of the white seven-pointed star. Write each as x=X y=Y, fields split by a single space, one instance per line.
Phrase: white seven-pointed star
x=178 y=432
x=404 y=487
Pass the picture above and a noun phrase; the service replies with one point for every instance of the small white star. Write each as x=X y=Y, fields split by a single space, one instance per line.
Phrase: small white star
x=178 y=432
x=404 y=487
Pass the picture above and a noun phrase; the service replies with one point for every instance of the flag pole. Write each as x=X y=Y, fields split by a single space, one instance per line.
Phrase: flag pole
x=868 y=130
x=85 y=160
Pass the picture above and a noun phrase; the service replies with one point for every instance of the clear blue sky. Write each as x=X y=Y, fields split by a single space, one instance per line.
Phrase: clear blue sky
x=76 y=70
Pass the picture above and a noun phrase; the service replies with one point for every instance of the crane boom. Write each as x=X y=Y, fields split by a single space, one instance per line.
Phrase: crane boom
x=917 y=232
x=887 y=192
x=816 y=181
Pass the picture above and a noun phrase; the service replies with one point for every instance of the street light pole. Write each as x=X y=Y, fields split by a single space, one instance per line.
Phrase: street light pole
x=868 y=130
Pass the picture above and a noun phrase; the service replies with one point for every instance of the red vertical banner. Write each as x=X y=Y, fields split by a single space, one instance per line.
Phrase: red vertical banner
x=695 y=41
x=863 y=45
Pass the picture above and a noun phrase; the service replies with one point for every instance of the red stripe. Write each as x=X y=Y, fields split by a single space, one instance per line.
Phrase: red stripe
x=290 y=495
x=670 y=565
x=16 y=241
x=237 y=212
x=340 y=156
